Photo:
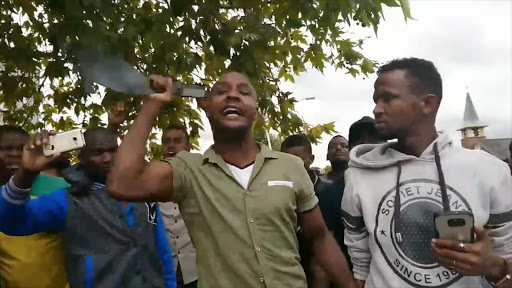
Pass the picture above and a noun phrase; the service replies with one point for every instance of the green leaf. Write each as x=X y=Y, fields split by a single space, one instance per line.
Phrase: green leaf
x=406 y=9
x=270 y=41
x=367 y=67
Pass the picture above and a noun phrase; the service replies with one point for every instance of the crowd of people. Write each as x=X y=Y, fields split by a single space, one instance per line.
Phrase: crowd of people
x=243 y=215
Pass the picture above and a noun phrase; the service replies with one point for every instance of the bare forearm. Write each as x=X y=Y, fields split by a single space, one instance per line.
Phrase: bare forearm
x=130 y=160
x=331 y=259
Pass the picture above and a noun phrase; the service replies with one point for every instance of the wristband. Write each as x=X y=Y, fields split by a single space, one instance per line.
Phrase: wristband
x=507 y=279
x=504 y=281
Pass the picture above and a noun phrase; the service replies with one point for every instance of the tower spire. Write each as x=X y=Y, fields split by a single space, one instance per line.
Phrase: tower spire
x=471 y=119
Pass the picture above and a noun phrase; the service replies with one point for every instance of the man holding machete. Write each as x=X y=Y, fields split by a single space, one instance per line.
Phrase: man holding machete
x=240 y=200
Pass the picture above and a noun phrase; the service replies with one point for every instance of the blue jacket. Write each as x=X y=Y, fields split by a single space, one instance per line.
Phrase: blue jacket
x=87 y=238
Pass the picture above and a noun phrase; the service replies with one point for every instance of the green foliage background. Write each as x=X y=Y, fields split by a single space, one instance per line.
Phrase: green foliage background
x=269 y=40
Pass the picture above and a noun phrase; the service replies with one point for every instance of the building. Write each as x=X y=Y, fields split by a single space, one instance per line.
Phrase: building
x=473 y=134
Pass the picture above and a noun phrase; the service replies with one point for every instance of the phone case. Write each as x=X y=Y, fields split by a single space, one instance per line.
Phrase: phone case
x=446 y=230
x=64 y=142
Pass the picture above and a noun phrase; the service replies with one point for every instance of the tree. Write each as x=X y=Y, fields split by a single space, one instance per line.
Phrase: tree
x=275 y=141
x=269 y=40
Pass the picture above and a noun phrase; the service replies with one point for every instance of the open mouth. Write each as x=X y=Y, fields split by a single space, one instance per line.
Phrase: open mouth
x=13 y=167
x=231 y=111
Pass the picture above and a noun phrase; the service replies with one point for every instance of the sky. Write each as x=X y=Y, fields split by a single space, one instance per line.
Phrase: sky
x=470 y=42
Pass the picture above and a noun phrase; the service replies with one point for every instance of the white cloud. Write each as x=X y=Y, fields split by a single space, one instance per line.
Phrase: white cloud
x=469 y=41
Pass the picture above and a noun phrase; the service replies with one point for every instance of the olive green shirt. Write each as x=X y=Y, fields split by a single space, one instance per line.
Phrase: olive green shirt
x=244 y=237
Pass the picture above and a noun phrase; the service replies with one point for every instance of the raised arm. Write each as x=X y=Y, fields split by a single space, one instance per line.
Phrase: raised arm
x=20 y=216
x=131 y=177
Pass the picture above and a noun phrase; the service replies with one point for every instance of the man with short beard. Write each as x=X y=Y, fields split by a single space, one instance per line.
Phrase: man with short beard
x=240 y=200
x=393 y=190
x=329 y=190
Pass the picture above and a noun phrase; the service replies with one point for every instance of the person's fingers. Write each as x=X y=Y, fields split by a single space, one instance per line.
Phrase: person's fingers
x=44 y=138
x=448 y=263
x=445 y=244
x=56 y=157
x=455 y=245
x=30 y=145
x=460 y=257
x=168 y=86
x=37 y=139
x=159 y=83
x=481 y=234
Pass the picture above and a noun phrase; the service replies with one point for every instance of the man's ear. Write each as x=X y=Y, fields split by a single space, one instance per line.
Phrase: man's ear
x=430 y=104
x=203 y=104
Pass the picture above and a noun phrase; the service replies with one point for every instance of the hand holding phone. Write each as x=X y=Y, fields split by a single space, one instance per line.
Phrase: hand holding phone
x=64 y=142
x=33 y=159
x=455 y=225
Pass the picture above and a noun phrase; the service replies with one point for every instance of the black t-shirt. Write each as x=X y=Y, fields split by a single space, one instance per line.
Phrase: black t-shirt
x=329 y=200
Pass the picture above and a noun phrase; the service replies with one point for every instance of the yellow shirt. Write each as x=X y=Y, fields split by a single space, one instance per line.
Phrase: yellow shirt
x=35 y=261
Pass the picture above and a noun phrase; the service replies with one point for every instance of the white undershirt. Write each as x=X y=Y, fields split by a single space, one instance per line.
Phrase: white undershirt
x=242 y=175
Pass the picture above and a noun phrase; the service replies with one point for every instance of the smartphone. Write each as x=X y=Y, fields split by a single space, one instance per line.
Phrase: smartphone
x=455 y=225
x=64 y=142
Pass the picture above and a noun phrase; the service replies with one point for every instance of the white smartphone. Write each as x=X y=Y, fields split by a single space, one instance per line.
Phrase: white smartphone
x=64 y=142
x=455 y=225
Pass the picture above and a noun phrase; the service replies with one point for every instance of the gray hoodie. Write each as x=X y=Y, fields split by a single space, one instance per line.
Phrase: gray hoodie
x=391 y=248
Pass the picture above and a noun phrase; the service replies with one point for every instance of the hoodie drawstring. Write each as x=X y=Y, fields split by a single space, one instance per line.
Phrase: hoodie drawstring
x=442 y=184
x=396 y=213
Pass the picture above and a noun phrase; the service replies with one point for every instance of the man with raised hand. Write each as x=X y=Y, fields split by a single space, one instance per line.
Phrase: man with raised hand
x=108 y=243
x=20 y=256
x=240 y=200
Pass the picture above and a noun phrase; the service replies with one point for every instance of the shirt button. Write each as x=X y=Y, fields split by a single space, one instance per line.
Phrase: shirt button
x=261 y=279
x=177 y=237
x=247 y=192
x=252 y=220
x=258 y=249
x=175 y=221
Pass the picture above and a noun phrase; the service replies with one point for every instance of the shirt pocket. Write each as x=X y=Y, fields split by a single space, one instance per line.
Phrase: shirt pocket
x=272 y=198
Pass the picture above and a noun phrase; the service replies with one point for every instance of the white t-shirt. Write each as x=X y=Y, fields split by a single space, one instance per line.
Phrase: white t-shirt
x=242 y=175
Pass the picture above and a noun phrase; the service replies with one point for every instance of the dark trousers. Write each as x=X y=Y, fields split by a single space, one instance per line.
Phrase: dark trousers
x=189 y=285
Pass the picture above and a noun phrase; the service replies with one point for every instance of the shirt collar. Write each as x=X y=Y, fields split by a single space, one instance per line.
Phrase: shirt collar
x=212 y=157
